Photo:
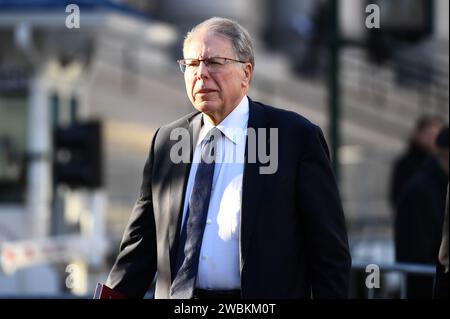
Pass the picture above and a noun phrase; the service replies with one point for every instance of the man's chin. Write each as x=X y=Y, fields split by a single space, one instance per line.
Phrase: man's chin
x=206 y=107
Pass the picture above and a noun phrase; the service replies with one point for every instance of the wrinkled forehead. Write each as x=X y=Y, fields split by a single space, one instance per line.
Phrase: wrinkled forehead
x=203 y=44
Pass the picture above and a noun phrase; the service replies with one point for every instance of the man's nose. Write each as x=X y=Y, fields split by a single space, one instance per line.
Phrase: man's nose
x=202 y=70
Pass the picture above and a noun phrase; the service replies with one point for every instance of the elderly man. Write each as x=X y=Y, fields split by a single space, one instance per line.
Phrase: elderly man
x=216 y=221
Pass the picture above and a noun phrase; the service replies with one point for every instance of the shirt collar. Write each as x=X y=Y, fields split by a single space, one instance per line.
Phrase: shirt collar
x=233 y=126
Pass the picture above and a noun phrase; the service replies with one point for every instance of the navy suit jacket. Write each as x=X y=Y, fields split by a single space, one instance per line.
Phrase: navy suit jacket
x=293 y=238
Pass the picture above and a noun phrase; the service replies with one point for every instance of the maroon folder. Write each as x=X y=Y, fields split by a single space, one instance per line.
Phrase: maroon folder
x=104 y=292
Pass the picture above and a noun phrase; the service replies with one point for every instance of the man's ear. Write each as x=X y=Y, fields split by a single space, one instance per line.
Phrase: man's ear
x=248 y=72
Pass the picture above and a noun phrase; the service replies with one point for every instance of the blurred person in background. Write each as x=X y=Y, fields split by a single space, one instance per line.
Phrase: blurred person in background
x=420 y=146
x=441 y=283
x=215 y=230
x=420 y=217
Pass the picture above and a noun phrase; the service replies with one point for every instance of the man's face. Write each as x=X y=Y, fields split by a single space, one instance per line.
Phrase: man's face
x=427 y=136
x=217 y=93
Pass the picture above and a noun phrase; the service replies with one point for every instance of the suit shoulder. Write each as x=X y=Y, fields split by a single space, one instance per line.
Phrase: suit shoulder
x=284 y=118
x=163 y=133
x=181 y=122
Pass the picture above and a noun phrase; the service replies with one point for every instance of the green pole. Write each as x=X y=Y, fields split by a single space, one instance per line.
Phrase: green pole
x=73 y=109
x=333 y=84
x=54 y=102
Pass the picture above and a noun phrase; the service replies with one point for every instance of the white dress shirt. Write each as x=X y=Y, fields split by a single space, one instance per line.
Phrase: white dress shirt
x=219 y=255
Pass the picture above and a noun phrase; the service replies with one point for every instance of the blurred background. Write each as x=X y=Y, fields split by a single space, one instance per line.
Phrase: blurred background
x=79 y=106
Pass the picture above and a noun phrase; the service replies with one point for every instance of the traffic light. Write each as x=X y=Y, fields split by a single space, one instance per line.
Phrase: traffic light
x=401 y=22
x=77 y=156
x=406 y=20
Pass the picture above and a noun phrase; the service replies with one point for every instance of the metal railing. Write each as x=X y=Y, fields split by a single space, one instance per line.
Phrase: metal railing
x=398 y=85
x=403 y=269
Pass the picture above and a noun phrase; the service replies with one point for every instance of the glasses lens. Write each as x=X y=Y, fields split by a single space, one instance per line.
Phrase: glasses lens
x=215 y=64
x=182 y=64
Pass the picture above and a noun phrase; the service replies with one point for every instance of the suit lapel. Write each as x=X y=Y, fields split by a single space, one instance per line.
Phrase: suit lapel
x=252 y=184
x=178 y=182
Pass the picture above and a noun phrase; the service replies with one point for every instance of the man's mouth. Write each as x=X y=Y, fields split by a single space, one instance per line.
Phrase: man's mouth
x=204 y=91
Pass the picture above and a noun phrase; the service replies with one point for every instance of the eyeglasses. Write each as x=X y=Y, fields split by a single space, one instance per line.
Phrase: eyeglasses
x=213 y=64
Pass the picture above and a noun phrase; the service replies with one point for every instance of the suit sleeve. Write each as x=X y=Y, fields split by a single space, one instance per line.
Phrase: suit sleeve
x=322 y=213
x=135 y=265
x=443 y=250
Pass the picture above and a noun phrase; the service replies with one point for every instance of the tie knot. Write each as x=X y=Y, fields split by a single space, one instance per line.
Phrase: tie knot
x=210 y=144
x=213 y=135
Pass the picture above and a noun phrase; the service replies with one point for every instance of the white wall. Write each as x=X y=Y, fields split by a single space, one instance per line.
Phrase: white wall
x=441 y=15
x=352 y=17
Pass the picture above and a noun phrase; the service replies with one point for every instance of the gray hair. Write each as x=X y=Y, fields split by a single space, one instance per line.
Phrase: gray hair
x=230 y=29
